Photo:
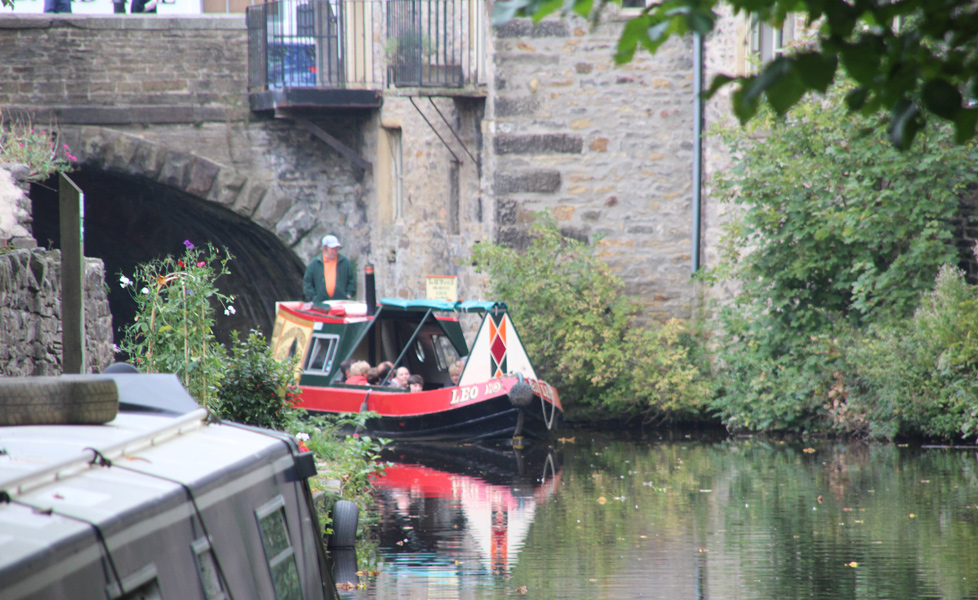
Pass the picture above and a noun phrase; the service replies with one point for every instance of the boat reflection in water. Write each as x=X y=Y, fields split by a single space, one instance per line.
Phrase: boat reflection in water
x=457 y=516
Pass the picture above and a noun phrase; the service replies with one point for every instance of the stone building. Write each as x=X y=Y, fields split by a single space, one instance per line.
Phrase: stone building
x=172 y=145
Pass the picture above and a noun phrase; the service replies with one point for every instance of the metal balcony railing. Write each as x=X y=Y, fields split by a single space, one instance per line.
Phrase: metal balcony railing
x=366 y=44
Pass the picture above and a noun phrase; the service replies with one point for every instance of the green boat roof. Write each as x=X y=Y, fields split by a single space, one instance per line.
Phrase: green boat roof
x=468 y=306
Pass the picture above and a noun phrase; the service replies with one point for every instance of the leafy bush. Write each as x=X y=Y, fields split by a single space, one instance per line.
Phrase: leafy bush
x=833 y=231
x=173 y=329
x=257 y=389
x=579 y=328
x=918 y=376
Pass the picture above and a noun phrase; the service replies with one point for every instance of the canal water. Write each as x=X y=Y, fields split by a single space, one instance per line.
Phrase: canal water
x=598 y=516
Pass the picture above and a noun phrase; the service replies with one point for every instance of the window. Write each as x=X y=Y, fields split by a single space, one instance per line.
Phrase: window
x=390 y=171
x=445 y=353
x=278 y=550
x=767 y=42
x=210 y=578
x=141 y=585
x=323 y=353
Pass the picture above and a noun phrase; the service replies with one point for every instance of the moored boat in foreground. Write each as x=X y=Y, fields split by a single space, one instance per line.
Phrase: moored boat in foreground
x=498 y=394
x=156 y=501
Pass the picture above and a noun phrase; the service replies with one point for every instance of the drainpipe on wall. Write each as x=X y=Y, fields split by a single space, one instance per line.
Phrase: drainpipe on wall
x=697 y=147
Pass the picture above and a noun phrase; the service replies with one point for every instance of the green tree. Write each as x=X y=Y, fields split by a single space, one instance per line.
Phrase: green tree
x=834 y=230
x=911 y=58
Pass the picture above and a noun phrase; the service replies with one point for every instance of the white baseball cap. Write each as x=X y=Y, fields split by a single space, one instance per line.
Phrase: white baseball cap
x=330 y=241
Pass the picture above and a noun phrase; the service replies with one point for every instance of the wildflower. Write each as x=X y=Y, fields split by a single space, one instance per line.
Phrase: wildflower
x=180 y=263
x=115 y=348
x=303 y=447
x=144 y=291
x=188 y=244
x=201 y=263
x=302 y=436
x=229 y=310
x=71 y=157
x=356 y=436
x=125 y=281
x=160 y=280
x=66 y=147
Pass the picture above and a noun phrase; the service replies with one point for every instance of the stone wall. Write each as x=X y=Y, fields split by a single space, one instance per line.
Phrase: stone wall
x=606 y=150
x=30 y=297
x=30 y=314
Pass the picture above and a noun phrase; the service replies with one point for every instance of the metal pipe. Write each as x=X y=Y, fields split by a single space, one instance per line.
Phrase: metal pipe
x=697 y=148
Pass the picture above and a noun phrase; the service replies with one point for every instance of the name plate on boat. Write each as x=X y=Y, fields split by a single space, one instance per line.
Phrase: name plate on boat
x=441 y=287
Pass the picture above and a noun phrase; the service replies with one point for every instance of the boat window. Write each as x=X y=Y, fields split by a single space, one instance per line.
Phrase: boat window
x=210 y=579
x=445 y=353
x=323 y=353
x=419 y=351
x=141 y=585
x=278 y=549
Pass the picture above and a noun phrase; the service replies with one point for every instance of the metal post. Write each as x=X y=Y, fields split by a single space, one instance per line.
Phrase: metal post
x=697 y=147
x=72 y=217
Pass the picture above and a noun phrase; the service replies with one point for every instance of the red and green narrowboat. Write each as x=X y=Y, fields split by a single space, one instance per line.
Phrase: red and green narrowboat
x=498 y=394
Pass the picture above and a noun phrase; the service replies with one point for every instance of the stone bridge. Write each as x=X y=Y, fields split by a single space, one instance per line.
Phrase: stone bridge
x=157 y=111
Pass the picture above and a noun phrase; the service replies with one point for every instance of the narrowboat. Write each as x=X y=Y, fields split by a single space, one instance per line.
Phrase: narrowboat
x=498 y=394
x=122 y=487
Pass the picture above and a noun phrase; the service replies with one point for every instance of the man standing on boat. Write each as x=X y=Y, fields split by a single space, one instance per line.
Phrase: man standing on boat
x=330 y=275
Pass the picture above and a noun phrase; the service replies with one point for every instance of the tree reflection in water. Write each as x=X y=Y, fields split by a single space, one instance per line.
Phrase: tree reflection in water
x=617 y=518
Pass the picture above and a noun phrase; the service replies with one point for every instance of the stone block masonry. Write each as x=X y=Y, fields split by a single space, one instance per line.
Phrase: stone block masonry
x=605 y=150
x=30 y=314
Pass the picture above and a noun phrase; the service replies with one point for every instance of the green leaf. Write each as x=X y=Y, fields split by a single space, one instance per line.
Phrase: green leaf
x=816 y=69
x=856 y=98
x=718 y=82
x=861 y=60
x=906 y=122
x=964 y=125
x=635 y=29
x=941 y=98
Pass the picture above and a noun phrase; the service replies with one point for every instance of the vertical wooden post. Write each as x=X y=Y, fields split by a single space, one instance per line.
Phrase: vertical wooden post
x=72 y=216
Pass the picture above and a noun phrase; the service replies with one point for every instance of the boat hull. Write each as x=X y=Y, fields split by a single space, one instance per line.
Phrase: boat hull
x=476 y=412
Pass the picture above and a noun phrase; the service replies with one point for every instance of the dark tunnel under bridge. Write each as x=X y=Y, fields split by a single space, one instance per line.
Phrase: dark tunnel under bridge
x=130 y=220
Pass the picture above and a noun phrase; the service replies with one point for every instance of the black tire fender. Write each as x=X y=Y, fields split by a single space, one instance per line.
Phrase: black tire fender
x=64 y=400
x=346 y=515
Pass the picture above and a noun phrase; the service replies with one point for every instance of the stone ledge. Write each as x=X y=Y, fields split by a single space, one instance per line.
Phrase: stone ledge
x=81 y=114
x=124 y=22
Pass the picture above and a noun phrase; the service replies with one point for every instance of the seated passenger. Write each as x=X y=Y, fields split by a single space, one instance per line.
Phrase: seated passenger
x=373 y=376
x=358 y=373
x=400 y=378
x=416 y=383
x=455 y=372
x=383 y=369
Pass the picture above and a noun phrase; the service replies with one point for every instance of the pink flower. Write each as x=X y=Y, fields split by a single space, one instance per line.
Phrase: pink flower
x=71 y=157
x=201 y=264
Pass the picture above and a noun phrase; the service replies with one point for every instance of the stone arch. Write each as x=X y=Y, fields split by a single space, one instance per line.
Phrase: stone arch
x=143 y=199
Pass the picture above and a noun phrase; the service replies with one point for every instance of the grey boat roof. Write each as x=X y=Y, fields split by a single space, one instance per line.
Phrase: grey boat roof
x=46 y=467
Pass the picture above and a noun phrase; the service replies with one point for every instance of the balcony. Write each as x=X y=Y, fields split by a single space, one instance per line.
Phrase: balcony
x=345 y=53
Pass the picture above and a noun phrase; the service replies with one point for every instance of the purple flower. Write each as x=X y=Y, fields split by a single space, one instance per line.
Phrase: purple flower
x=188 y=244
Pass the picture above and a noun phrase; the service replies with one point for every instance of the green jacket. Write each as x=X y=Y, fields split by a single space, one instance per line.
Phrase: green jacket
x=314 y=283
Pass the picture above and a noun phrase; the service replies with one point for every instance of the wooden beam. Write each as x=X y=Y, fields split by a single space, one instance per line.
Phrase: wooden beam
x=72 y=217
x=335 y=144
